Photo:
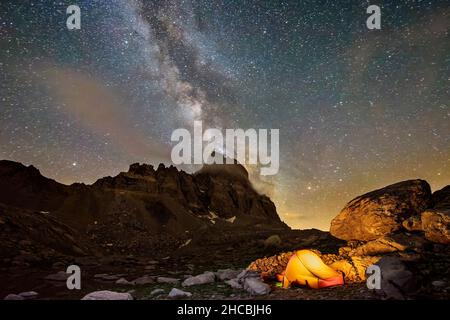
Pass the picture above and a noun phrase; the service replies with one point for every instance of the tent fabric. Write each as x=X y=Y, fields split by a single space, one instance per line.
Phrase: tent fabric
x=306 y=268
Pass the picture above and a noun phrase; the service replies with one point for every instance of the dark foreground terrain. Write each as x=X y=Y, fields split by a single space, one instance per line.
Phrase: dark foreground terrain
x=145 y=232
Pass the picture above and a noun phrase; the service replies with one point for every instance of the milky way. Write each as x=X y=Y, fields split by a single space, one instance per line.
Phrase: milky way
x=357 y=109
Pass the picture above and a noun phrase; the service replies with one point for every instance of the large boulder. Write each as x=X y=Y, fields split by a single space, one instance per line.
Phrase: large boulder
x=441 y=198
x=382 y=211
x=397 y=282
x=436 y=225
x=436 y=221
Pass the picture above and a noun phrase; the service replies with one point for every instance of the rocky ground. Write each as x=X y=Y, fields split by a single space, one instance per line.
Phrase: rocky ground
x=166 y=234
x=231 y=250
x=216 y=268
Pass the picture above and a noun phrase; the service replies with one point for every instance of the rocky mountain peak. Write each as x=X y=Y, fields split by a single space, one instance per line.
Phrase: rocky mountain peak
x=141 y=169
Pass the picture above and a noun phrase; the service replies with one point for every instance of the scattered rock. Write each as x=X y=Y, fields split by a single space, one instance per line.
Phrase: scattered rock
x=144 y=280
x=123 y=281
x=227 y=274
x=156 y=291
x=382 y=211
x=247 y=274
x=29 y=294
x=413 y=223
x=273 y=241
x=268 y=267
x=107 y=295
x=204 y=278
x=13 y=296
x=436 y=225
x=345 y=251
x=177 y=293
x=353 y=268
x=234 y=283
x=255 y=286
x=167 y=280
x=439 y=283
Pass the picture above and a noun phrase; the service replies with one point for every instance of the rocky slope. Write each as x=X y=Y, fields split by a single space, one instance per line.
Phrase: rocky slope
x=136 y=211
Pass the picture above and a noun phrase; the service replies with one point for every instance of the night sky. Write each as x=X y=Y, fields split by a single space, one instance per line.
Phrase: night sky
x=357 y=109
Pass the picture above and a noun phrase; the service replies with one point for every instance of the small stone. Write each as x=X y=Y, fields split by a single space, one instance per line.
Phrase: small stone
x=107 y=295
x=227 y=274
x=144 y=280
x=156 y=291
x=177 y=293
x=167 y=280
x=247 y=274
x=234 y=283
x=256 y=287
x=273 y=241
x=123 y=281
x=28 y=294
x=439 y=283
x=204 y=278
x=13 y=296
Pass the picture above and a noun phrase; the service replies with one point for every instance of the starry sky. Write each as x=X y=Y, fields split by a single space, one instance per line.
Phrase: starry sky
x=357 y=109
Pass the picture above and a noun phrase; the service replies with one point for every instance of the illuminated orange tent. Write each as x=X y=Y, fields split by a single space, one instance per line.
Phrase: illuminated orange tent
x=306 y=268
